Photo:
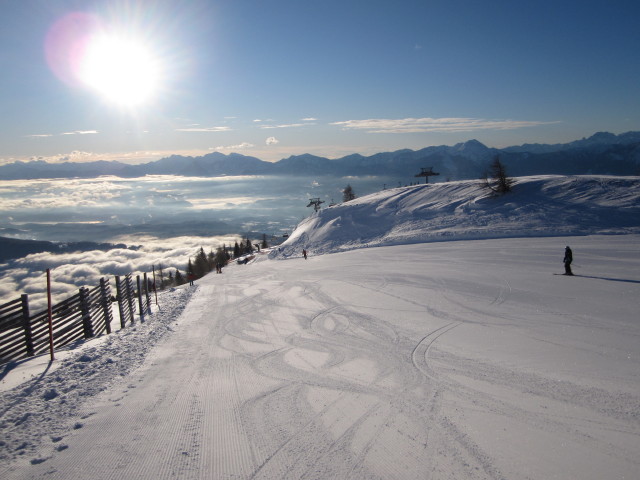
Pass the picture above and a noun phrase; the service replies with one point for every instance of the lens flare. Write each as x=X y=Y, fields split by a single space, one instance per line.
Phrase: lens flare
x=65 y=43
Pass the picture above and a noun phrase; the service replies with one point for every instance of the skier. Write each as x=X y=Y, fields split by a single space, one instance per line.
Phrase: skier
x=568 y=258
x=304 y=253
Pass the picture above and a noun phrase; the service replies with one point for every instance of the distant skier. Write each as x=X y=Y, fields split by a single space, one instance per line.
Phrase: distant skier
x=568 y=258
x=304 y=253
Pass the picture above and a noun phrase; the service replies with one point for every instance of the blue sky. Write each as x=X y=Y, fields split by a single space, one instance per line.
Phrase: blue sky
x=272 y=78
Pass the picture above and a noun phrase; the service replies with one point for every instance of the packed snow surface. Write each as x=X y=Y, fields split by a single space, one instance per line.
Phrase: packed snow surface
x=462 y=359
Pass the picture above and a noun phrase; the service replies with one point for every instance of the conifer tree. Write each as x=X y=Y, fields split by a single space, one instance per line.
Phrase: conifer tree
x=200 y=265
x=496 y=179
x=190 y=270
x=348 y=194
x=264 y=243
x=220 y=257
x=248 y=248
x=211 y=260
x=179 y=278
x=236 y=250
x=161 y=273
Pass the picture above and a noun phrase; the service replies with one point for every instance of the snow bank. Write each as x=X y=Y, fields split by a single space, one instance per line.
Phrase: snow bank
x=40 y=399
x=537 y=206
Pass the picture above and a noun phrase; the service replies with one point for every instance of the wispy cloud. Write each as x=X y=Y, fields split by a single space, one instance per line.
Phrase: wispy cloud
x=287 y=125
x=74 y=156
x=204 y=129
x=75 y=132
x=421 y=125
x=272 y=141
x=81 y=132
x=239 y=146
x=309 y=119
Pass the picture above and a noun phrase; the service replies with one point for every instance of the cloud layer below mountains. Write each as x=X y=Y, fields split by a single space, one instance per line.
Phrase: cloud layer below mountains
x=71 y=271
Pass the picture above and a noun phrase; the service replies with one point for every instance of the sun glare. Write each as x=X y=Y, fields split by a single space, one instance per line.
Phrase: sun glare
x=118 y=62
x=123 y=70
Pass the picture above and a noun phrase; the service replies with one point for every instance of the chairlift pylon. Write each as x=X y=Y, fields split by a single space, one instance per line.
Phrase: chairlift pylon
x=316 y=202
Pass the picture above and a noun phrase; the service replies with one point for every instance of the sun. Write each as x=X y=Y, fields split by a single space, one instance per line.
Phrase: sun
x=120 y=68
x=119 y=61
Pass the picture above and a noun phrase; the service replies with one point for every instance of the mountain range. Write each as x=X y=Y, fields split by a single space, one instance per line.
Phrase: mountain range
x=602 y=154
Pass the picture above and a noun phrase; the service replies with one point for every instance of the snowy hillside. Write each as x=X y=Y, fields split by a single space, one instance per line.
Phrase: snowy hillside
x=447 y=360
x=537 y=206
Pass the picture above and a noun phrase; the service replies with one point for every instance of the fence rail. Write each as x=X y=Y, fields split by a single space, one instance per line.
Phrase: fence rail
x=86 y=314
x=15 y=329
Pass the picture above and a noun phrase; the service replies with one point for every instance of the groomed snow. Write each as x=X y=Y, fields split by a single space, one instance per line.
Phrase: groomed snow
x=459 y=359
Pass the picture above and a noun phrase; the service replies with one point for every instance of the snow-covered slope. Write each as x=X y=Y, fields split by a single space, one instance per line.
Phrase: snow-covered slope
x=464 y=360
x=454 y=360
x=537 y=206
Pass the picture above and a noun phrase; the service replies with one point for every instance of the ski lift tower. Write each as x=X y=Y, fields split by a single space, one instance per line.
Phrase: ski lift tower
x=316 y=203
x=426 y=173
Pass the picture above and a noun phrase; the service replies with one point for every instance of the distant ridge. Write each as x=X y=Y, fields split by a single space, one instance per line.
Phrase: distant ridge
x=602 y=154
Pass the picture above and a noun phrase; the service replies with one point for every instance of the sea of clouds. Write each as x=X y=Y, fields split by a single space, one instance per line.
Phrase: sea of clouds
x=70 y=271
x=166 y=219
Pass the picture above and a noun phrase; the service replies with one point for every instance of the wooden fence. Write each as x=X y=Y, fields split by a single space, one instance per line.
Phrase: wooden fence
x=83 y=315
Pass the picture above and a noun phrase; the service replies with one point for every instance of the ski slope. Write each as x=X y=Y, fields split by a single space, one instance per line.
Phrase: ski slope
x=546 y=205
x=465 y=359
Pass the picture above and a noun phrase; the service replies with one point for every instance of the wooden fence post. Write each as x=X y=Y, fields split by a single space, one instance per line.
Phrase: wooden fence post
x=140 y=298
x=26 y=324
x=50 y=314
x=106 y=304
x=120 y=300
x=155 y=288
x=146 y=293
x=129 y=288
x=86 y=313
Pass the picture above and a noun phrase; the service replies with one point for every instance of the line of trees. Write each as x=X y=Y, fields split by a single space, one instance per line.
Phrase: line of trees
x=203 y=263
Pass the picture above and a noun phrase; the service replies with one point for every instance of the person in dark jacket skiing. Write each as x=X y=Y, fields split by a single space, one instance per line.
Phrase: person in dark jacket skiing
x=568 y=258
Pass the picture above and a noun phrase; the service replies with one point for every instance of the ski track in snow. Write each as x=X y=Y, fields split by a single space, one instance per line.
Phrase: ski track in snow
x=462 y=360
